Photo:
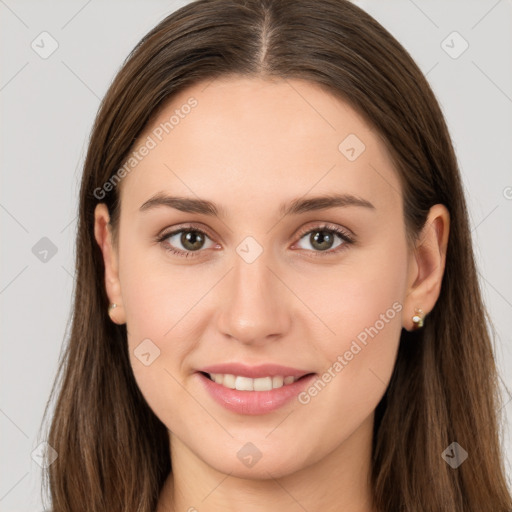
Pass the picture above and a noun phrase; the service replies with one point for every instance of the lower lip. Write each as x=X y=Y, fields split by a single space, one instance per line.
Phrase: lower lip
x=254 y=402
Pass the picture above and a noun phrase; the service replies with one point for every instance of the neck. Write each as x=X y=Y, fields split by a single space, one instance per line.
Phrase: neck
x=338 y=481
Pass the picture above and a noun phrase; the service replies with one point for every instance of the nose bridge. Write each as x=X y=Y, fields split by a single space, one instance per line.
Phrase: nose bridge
x=253 y=306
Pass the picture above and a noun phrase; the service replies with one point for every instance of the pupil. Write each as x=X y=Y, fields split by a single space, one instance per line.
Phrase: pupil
x=192 y=239
x=321 y=237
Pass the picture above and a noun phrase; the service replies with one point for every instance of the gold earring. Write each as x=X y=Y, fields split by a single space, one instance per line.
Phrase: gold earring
x=418 y=318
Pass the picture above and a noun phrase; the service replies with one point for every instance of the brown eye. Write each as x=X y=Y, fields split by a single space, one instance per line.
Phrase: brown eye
x=185 y=241
x=192 y=240
x=324 y=238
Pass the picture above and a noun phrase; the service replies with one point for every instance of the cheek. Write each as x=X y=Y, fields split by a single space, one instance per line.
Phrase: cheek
x=157 y=294
x=164 y=310
x=370 y=305
x=363 y=306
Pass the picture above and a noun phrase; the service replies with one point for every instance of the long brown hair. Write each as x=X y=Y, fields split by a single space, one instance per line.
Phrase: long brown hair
x=113 y=452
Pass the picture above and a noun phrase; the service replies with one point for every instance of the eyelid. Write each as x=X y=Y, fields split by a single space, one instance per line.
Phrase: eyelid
x=189 y=226
x=311 y=226
x=345 y=234
x=186 y=226
x=328 y=226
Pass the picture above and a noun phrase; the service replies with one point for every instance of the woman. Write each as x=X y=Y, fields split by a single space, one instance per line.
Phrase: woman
x=277 y=305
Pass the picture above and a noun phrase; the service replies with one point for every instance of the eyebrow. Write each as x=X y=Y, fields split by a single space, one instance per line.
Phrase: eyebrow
x=294 y=207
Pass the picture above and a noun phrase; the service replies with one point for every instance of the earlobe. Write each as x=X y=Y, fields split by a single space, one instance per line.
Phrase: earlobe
x=427 y=268
x=103 y=236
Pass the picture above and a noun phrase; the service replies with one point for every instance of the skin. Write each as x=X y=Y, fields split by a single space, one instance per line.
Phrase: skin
x=249 y=145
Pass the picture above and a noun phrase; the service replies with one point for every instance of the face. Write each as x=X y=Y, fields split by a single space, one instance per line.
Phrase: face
x=274 y=278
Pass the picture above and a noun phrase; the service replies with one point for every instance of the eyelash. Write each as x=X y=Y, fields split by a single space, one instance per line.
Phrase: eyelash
x=347 y=239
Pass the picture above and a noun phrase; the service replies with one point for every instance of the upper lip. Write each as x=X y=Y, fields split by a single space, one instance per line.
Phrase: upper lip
x=262 y=370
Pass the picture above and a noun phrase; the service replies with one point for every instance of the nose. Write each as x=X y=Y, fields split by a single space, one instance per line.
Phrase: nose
x=254 y=303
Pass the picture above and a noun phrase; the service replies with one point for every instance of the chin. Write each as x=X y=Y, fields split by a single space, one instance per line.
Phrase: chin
x=251 y=463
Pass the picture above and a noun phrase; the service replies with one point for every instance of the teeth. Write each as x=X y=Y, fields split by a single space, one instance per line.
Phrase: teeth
x=277 y=381
x=229 y=381
x=248 y=384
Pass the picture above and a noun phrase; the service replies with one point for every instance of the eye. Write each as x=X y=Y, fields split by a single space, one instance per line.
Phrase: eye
x=190 y=238
x=322 y=239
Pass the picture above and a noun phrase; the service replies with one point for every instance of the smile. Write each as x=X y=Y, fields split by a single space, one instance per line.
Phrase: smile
x=240 y=383
x=253 y=396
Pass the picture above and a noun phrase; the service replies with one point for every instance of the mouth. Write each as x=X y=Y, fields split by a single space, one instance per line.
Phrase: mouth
x=257 y=395
x=241 y=383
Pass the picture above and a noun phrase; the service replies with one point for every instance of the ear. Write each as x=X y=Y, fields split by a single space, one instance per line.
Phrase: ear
x=103 y=235
x=427 y=264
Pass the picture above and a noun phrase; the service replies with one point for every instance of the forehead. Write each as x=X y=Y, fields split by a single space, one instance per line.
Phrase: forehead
x=242 y=140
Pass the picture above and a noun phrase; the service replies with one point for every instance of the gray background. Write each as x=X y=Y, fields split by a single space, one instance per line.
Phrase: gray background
x=47 y=110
